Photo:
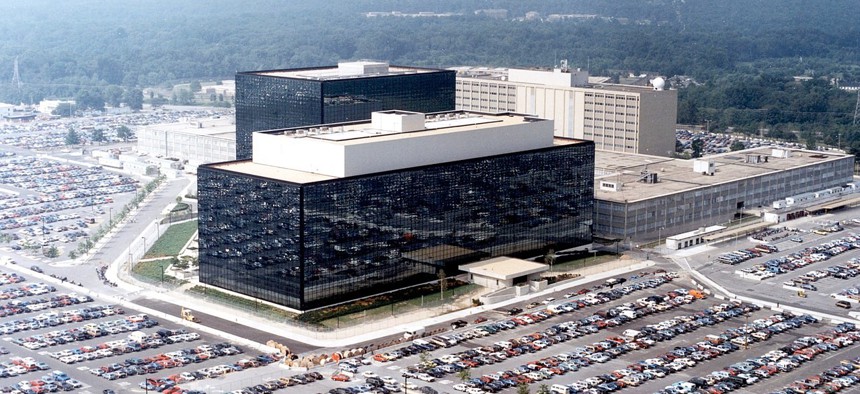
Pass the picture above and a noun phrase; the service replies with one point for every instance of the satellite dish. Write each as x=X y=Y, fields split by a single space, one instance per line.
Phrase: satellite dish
x=658 y=83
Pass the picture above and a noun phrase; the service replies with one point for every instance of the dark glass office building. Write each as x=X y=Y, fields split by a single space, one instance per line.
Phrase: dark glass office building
x=274 y=99
x=308 y=245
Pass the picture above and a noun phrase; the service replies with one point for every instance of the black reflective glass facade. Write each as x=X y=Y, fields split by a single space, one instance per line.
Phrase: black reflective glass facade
x=307 y=246
x=265 y=102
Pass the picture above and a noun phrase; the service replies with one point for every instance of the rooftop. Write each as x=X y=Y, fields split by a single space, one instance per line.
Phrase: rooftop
x=626 y=170
x=345 y=70
x=546 y=77
x=392 y=140
x=504 y=268
x=224 y=127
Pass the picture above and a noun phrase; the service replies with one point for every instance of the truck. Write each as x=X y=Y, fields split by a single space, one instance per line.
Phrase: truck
x=188 y=314
x=413 y=332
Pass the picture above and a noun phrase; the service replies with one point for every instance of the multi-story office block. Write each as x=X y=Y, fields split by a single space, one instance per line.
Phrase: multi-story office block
x=199 y=141
x=619 y=118
x=332 y=213
x=641 y=198
x=275 y=99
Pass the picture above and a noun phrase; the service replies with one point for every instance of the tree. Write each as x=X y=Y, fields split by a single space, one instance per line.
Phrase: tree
x=737 y=145
x=443 y=283
x=72 y=137
x=464 y=374
x=424 y=357
x=543 y=389
x=195 y=86
x=696 y=147
x=134 y=99
x=88 y=99
x=64 y=110
x=98 y=135
x=113 y=95
x=523 y=388
x=51 y=252
x=124 y=132
x=549 y=258
x=184 y=96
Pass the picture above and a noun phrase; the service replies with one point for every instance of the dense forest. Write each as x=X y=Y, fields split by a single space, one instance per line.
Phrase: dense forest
x=740 y=56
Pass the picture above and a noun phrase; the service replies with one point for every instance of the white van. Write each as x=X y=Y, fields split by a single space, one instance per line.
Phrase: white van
x=413 y=332
x=559 y=389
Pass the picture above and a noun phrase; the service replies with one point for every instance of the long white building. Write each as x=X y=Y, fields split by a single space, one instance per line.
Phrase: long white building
x=619 y=118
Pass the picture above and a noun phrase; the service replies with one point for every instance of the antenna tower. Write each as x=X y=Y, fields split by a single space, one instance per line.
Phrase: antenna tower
x=857 y=109
x=16 y=78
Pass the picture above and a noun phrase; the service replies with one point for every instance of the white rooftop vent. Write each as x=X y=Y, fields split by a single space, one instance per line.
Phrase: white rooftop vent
x=780 y=153
x=609 y=186
x=704 y=167
x=397 y=121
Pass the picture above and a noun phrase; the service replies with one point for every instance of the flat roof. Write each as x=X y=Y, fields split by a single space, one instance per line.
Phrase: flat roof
x=504 y=268
x=224 y=127
x=248 y=167
x=705 y=231
x=500 y=74
x=359 y=148
x=333 y=73
x=365 y=132
x=676 y=175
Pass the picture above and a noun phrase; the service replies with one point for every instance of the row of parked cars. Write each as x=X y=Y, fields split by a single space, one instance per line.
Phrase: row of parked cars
x=590 y=299
x=15 y=307
x=833 y=380
x=90 y=331
x=178 y=358
x=54 y=318
x=171 y=383
x=682 y=357
x=50 y=383
x=782 y=360
x=10 y=278
x=542 y=369
x=30 y=289
x=739 y=256
x=842 y=271
x=580 y=357
x=271 y=385
x=804 y=257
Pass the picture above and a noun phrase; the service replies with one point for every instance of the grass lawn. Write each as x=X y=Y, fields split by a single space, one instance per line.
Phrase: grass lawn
x=584 y=261
x=430 y=300
x=151 y=270
x=171 y=242
x=241 y=302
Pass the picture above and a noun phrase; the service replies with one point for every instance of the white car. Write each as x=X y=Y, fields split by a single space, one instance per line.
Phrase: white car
x=460 y=387
x=369 y=374
x=388 y=380
x=425 y=377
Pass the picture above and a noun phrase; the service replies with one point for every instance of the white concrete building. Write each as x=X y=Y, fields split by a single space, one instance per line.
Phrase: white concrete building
x=199 y=141
x=619 y=118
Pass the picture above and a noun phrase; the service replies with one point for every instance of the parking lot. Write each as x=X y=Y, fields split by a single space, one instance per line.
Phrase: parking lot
x=809 y=267
x=59 y=340
x=634 y=338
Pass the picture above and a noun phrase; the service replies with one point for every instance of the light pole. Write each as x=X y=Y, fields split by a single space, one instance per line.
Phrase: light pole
x=110 y=217
x=144 y=248
x=659 y=235
x=708 y=121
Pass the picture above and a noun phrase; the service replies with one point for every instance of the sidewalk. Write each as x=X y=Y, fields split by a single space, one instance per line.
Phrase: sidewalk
x=386 y=327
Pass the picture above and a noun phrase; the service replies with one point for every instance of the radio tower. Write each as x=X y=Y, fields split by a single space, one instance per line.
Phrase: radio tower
x=857 y=109
x=16 y=78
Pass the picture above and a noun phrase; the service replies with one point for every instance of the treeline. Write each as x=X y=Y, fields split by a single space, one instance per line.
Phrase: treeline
x=741 y=54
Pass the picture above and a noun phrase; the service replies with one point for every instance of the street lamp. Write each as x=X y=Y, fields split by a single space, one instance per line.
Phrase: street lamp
x=110 y=216
x=659 y=235
x=144 y=248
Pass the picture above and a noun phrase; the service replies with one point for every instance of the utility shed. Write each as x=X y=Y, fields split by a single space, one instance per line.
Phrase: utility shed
x=501 y=272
